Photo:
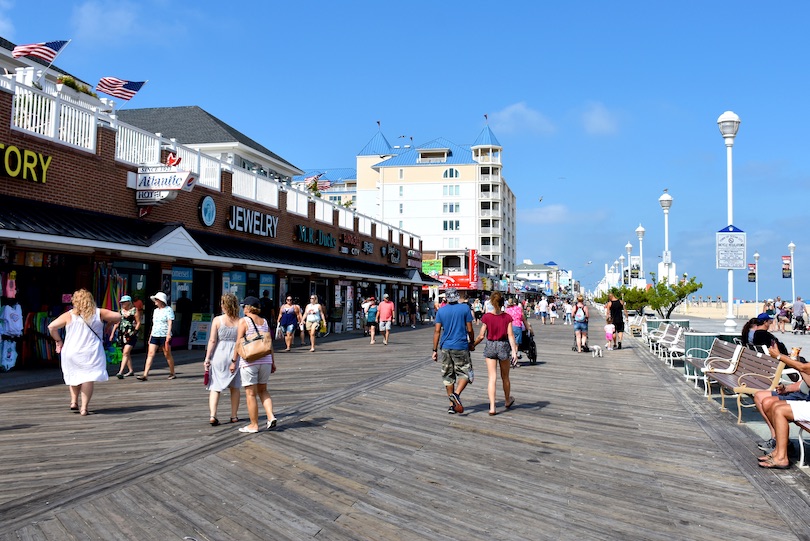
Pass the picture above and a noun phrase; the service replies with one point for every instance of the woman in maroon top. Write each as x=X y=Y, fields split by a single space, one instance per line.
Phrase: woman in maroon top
x=496 y=327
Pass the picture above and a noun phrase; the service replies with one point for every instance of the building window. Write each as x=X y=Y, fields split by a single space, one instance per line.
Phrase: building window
x=452 y=225
x=450 y=208
x=401 y=189
x=400 y=208
x=451 y=242
x=451 y=189
x=400 y=224
x=451 y=173
x=401 y=174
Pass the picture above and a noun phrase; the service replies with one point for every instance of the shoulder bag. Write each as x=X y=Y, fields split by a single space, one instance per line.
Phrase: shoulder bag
x=255 y=346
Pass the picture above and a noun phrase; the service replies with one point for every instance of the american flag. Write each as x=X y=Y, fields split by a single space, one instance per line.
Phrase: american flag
x=323 y=185
x=313 y=180
x=119 y=88
x=46 y=51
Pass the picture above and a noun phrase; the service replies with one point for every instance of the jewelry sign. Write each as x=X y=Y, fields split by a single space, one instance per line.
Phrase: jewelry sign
x=731 y=248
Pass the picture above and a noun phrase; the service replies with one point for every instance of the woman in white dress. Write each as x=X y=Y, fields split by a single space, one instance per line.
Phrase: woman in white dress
x=313 y=315
x=83 y=359
x=218 y=359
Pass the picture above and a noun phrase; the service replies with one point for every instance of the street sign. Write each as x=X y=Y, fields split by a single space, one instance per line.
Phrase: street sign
x=731 y=248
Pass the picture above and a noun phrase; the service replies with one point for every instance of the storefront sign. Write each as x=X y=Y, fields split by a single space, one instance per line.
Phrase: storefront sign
x=368 y=247
x=304 y=233
x=164 y=177
x=24 y=164
x=393 y=253
x=253 y=221
x=153 y=197
x=347 y=250
x=207 y=211
x=415 y=254
x=351 y=240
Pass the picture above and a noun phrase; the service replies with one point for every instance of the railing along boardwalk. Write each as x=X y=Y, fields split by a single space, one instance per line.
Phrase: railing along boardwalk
x=609 y=448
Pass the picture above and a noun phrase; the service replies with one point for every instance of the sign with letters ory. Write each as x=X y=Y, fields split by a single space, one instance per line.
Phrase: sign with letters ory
x=731 y=248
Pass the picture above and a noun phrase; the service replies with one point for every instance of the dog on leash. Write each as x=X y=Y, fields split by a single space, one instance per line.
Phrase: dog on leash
x=596 y=351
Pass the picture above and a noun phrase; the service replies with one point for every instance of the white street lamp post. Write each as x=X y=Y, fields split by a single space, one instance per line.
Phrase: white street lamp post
x=621 y=278
x=616 y=269
x=756 y=278
x=640 y=234
x=666 y=202
x=792 y=248
x=629 y=248
x=729 y=123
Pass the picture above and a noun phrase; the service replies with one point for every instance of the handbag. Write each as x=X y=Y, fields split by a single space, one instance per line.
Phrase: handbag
x=279 y=333
x=256 y=345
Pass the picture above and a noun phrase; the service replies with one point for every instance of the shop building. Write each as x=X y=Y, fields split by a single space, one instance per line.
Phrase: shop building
x=88 y=200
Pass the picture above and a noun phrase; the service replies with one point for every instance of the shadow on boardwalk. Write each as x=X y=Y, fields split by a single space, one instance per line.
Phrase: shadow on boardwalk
x=610 y=448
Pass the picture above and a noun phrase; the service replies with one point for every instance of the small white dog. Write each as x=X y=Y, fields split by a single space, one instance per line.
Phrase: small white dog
x=596 y=351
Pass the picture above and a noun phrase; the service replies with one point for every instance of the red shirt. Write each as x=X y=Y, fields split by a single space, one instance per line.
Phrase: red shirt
x=386 y=310
x=497 y=325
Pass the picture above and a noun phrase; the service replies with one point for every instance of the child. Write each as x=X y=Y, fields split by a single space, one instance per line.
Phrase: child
x=610 y=330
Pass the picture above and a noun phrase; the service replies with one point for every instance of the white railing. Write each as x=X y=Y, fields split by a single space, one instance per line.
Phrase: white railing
x=297 y=201
x=50 y=117
x=487 y=213
x=208 y=168
x=346 y=219
x=364 y=225
x=492 y=179
x=382 y=231
x=323 y=211
x=267 y=191
x=136 y=146
x=71 y=121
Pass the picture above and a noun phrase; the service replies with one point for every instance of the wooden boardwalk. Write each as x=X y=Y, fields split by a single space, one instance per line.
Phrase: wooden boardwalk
x=610 y=448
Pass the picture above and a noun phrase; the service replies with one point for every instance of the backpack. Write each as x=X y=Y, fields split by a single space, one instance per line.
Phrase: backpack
x=579 y=314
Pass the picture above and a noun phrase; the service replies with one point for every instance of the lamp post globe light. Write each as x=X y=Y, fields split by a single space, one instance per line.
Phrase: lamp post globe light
x=666 y=203
x=756 y=278
x=640 y=234
x=729 y=123
x=792 y=248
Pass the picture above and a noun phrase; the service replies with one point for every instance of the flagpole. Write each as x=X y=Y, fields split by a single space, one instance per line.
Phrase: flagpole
x=36 y=83
x=136 y=93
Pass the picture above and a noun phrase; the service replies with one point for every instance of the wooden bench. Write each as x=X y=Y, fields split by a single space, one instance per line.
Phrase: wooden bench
x=637 y=325
x=674 y=350
x=804 y=426
x=724 y=356
x=754 y=372
x=669 y=334
x=648 y=334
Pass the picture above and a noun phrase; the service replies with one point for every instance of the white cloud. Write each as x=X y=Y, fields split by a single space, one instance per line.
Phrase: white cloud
x=6 y=26
x=520 y=118
x=104 y=21
x=597 y=120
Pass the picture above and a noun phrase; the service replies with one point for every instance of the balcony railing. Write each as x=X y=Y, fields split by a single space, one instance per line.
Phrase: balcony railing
x=74 y=122
x=491 y=179
x=489 y=213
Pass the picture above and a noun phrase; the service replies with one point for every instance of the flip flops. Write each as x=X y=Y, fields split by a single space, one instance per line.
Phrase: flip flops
x=769 y=463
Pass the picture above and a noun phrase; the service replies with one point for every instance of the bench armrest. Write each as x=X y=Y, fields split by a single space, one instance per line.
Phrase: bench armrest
x=689 y=354
x=727 y=370
x=741 y=381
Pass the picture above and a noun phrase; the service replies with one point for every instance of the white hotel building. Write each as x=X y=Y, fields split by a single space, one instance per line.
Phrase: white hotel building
x=453 y=196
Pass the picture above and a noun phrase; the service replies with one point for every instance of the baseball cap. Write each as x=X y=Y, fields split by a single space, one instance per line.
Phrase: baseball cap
x=386 y=296
x=125 y=298
x=251 y=301
x=764 y=316
x=451 y=295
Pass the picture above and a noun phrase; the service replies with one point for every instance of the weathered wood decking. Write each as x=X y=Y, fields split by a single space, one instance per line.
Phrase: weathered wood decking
x=612 y=448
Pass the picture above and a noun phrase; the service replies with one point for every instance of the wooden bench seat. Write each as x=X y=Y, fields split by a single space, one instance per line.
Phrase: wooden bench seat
x=669 y=350
x=723 y=355
x=754 y=372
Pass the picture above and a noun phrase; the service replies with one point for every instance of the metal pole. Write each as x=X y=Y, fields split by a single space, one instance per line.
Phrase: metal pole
x=730 y=323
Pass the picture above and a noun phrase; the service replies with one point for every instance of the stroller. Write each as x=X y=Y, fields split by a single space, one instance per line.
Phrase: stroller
x=528 y=347
x=799 y=327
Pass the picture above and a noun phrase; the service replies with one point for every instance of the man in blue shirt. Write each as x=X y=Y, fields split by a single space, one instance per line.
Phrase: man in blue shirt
x=453 y=336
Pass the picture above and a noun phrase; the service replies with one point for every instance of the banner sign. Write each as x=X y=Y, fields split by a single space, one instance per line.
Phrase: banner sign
x=752 y=272
x=787 y=268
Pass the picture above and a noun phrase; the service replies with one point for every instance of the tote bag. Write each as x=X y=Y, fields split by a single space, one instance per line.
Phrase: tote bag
x=255 y=346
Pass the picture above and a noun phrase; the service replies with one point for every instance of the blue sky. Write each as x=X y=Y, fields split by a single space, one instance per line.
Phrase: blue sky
x=599 y=105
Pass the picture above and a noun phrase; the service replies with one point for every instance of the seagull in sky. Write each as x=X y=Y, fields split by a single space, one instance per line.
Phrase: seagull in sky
x=541 y=199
